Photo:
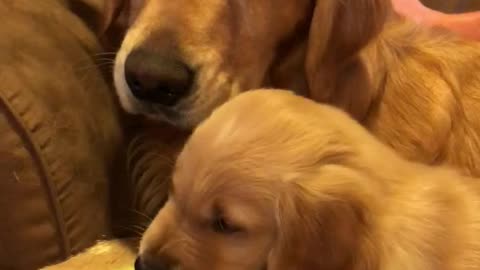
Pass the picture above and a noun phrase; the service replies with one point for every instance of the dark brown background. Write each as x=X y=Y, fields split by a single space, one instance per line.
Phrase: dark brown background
x=453 y=5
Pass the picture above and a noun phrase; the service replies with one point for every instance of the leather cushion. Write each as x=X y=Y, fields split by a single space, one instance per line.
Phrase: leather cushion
x=60 y=135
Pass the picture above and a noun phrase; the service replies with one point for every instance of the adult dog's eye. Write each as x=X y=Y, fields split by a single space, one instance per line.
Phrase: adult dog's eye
x=220 y=225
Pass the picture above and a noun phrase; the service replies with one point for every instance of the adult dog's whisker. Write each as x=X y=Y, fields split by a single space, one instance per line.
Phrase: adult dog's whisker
x=102 y=65
x=105 y=59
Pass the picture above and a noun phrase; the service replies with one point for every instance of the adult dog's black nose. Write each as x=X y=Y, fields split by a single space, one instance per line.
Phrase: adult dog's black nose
x=142 y=265
x=157 y=78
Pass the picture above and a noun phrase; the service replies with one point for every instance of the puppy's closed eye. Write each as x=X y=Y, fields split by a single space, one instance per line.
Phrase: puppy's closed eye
x=222 y=225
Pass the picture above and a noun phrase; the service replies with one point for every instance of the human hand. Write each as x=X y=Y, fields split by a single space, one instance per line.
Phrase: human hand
x=466 y=25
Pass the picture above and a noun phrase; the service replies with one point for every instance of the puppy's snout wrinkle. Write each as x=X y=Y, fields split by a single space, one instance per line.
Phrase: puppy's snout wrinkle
x=157 y=77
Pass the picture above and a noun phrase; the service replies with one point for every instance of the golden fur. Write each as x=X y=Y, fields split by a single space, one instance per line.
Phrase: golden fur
x=105 y=255
x=276 y=181
x=415 y=89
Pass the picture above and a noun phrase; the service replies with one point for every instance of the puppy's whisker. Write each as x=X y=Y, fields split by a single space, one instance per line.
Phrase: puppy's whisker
x=160 y=192
x=140 y=228
x=105 y=60
x=164 y=158
x=105 y=53
x=131 y=229
x=144 y=144
x=147 y=172
x=148 y=218
x=156 y=195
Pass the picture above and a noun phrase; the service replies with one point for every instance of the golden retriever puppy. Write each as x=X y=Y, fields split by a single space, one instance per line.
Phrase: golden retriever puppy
x=276 y=181
x=416 y=89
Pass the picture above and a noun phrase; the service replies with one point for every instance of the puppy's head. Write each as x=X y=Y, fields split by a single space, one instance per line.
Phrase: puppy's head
x=292 y=192
x=181 y=59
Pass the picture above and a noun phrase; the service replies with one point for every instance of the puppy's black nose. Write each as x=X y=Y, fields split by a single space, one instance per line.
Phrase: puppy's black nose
x=157 y=78
x=138 y=264
x=142 y=265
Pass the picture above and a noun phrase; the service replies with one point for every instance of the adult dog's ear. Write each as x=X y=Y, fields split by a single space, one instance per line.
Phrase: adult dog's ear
x=319 y=232
x=339 y=31
x=117 y=16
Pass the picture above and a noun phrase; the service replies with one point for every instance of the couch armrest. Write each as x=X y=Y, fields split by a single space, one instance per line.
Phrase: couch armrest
x=60 y=136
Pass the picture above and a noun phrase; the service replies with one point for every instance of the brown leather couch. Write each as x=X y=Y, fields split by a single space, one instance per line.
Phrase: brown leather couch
x=60 y=135
x=64 y=146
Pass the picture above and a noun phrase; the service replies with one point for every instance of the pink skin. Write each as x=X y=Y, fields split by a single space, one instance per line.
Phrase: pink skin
x=466 y=25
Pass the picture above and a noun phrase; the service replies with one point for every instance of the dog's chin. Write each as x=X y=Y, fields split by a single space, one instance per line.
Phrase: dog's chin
x=169 y=116
x=176 y=118
x=156 y=113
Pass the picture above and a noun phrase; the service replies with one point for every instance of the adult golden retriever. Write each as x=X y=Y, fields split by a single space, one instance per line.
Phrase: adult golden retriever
x=415 y=89
x=276 y=181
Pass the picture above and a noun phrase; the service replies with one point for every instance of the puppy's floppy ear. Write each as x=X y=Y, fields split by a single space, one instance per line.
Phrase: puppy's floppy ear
x=317 y=233
x=339 y=30
x=117 y=16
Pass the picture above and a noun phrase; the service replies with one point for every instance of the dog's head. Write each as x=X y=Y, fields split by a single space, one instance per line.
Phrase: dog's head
x=293 y=192
x=181 y=59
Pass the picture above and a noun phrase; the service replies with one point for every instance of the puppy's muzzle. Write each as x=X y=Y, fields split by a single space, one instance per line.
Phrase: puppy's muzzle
x=157 y=78
x=141 y=264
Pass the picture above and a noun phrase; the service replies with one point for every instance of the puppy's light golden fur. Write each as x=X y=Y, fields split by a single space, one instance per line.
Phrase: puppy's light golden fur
x=105 y=255
x=275 y=181
x=416 y=89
